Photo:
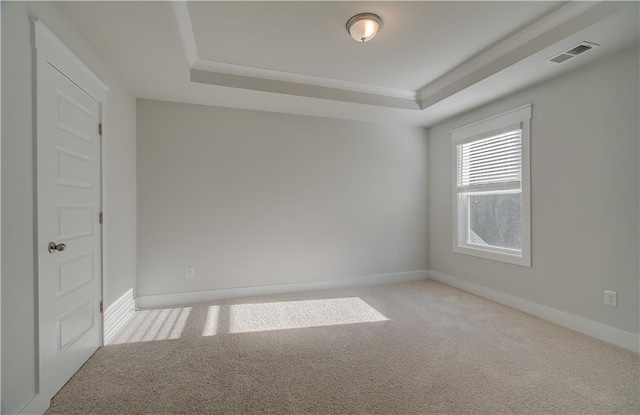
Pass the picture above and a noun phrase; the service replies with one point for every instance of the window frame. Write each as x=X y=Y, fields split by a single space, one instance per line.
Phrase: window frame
x=517 y=117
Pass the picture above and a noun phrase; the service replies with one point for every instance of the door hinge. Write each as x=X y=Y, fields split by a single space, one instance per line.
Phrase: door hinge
x=101 y=307
x=100 y=128
x=100 y=217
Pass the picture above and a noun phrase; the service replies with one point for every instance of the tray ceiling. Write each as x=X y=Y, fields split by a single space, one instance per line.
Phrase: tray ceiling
x=418 y=42
x=430 y=61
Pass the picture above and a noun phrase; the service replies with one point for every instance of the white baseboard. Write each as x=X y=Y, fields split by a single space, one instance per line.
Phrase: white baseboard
x=36 y=406
x=118 y=314
x=163 y=300
x=115 y=316
x=591 y=328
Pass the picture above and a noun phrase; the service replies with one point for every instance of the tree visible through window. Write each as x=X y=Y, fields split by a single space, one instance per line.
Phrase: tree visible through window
x=496 y=220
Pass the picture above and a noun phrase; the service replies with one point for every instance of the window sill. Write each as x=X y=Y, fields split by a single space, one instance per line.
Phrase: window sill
x=523 y=259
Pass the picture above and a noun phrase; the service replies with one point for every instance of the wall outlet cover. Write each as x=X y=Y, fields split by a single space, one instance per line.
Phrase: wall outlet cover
x=611 y=298
x=189 y=272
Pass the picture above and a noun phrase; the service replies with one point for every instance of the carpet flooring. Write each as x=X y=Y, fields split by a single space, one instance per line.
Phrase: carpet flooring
x=409 y=348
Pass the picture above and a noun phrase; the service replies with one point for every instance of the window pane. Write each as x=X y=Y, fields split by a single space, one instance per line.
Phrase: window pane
x=495 y=220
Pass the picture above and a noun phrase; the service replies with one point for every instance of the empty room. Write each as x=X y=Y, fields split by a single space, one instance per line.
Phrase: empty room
x=316 y=207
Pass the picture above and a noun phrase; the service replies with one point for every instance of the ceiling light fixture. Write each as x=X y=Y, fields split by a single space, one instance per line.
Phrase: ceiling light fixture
x=364 y=26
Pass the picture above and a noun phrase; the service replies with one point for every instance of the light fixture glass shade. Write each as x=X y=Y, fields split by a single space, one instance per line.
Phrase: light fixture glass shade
x=364 y=26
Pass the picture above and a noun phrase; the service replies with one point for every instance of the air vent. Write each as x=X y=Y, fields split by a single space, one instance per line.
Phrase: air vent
x=560 y=58
x=573 y=52
x=579 y=49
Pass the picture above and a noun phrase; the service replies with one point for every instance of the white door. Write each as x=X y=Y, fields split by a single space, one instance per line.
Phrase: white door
x=69 y=230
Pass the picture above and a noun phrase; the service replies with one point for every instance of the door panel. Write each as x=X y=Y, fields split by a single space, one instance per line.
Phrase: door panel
x=73 y=117
x=74 y=324
x=74 y=169
x=75 y=221
x=74 y=273
x=69 y=200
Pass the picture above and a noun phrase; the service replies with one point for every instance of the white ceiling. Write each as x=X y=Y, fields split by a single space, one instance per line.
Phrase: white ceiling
x=296 y=57
x=310 y=37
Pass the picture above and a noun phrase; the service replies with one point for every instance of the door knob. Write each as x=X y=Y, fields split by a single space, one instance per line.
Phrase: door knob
x=56 y=247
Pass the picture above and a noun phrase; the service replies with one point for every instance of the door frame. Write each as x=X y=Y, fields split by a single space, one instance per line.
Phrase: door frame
x=48 y=49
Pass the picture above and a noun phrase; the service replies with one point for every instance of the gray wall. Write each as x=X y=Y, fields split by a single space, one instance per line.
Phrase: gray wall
x=254 y=198
x=584 y=169
x=18 y=191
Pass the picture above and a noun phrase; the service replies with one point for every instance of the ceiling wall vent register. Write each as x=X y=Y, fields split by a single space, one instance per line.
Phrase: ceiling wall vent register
x=573 y=52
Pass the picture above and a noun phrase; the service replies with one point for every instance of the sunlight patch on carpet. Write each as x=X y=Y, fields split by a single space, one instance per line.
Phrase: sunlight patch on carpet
x=285 y=315
x=153 y=325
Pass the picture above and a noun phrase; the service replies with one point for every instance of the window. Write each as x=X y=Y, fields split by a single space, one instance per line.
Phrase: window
x=491 y=188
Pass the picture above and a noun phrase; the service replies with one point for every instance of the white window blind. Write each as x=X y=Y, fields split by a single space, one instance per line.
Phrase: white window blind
x=494 y=162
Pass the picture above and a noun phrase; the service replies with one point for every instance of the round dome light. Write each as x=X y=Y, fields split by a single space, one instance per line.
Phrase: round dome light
x=364 y=26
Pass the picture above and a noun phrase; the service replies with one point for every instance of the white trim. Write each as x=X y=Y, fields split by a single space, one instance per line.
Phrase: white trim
x=50 y=50
x=0 y=213
x=548 y=30
x=298 y=78
x=118 y=314
x=496 y=254
x=520 y=116
x=183 y=20
x=185 y=28
x=103 y=208
x=624 y=339
x=78 y=70
x=502 y=121
x=163 y=300
x=37 y=405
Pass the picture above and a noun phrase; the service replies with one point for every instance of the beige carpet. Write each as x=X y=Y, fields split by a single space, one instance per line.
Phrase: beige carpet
x=419 y=347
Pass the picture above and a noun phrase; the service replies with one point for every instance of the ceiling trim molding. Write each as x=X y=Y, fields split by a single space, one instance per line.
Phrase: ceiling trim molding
x=292 y=77
x=183 y=20
x=552 y=28
x=555 y=26
x=269 y=80
x=300 y=89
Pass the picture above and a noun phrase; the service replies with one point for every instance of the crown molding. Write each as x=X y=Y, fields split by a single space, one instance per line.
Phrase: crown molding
x=282 y=82
x=545 y=32
x=300 y=89
x=183 y=20
x=552 y=28
x=297 y=78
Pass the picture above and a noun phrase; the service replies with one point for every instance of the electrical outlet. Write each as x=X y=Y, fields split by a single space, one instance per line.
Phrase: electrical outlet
x=189 y=272
x=611 y=298
x=394 y=257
